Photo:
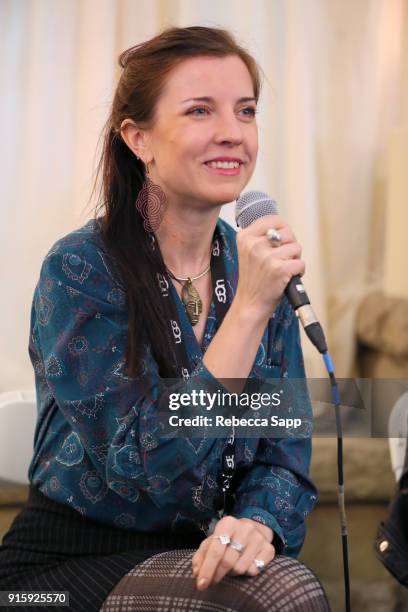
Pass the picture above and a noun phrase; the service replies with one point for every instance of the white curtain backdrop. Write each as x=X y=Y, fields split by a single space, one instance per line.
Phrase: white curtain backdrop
x=335 y=86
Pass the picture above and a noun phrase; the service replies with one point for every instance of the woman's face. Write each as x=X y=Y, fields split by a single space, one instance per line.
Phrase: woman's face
x=187 y=133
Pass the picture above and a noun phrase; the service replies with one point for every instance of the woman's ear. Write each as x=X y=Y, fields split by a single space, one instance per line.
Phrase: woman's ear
x=136 y=139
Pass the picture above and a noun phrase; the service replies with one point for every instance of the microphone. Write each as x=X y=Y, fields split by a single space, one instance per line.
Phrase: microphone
x=251 y=206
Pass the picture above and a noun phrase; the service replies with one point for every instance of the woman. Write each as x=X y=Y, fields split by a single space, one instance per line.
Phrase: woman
x=149 y=292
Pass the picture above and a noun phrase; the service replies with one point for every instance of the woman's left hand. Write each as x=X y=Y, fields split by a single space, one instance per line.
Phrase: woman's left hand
x=213 y=560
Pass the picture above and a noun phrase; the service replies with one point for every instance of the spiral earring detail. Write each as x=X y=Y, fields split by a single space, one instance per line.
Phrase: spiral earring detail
x=151 y=203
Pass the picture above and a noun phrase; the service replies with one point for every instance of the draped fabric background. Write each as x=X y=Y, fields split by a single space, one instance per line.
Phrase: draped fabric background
x=335 y=88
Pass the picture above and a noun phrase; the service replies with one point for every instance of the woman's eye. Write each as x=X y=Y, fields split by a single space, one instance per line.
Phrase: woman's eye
x=252 y=111
x=197 y=109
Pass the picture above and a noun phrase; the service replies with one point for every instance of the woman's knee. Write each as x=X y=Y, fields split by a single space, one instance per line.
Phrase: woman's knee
x=288 y=584
x=166 y=580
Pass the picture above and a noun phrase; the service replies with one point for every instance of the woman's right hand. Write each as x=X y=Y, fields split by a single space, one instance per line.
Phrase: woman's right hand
x=265 y=270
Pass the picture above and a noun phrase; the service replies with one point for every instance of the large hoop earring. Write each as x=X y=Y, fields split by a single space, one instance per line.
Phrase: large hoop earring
x=151 y=203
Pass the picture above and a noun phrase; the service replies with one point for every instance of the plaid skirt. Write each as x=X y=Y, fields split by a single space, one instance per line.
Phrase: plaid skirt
x=165 y=583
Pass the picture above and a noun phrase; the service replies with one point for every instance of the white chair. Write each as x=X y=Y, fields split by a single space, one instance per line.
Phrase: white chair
x=18 y=415
x=398 y=434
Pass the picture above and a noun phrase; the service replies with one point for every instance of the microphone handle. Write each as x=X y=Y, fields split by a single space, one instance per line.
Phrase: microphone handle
x=298 y=298
x=296 y=293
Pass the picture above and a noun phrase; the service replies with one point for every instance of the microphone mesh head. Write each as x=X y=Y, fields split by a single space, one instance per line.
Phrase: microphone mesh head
x=252 y=205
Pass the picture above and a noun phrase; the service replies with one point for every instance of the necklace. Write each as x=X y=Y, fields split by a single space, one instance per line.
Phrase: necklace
x=190 y=296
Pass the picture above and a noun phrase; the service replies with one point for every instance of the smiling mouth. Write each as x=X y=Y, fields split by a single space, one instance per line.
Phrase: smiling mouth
x=224 y=165
x=224 y=171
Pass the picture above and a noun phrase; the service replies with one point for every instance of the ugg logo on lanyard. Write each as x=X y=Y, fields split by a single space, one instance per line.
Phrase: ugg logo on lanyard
x=216 y=248
x=176 y=331
x=220 y=290
x=230 y=461
x=163 y=284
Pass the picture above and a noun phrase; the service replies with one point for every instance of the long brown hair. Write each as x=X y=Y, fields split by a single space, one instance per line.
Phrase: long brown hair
x=145 y=68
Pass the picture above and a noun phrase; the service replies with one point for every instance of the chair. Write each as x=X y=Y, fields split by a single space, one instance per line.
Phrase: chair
x=18 y=414
x=398 y=434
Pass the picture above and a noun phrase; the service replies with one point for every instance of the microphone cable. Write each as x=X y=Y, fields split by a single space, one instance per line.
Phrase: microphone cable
x=335 y=396
x=315 y=334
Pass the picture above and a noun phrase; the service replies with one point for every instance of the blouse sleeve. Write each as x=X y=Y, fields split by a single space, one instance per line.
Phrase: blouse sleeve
x=276 y=490
x=78 y=338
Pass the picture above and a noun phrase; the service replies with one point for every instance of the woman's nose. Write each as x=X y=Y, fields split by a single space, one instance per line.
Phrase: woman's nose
x=229 y=129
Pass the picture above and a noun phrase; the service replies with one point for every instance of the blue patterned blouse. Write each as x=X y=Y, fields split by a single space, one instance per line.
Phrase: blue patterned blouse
x=96 y=446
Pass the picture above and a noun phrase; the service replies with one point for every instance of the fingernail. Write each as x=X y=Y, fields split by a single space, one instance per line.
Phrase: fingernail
x=202 y=582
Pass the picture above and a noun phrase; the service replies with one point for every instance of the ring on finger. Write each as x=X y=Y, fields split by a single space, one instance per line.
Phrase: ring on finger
x=237 y=546
x=260 y=564
x=223 y=538
x=273 y=236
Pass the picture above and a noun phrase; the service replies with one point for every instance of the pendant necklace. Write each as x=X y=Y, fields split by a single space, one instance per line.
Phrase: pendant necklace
x=190 y=296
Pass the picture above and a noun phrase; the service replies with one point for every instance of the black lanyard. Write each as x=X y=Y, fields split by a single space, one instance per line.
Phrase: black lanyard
x=182 y=364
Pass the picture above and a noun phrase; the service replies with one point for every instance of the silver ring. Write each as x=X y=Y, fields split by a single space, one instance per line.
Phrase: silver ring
x=223 y=538
x=237 y=546
x=259 y=564
x=273 y=236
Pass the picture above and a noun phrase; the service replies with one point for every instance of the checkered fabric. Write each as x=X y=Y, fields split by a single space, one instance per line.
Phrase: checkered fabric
x=165 y=583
